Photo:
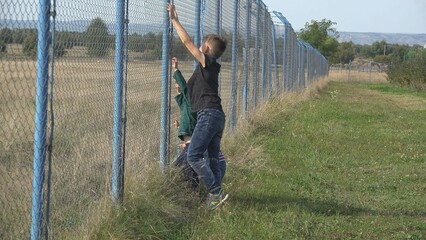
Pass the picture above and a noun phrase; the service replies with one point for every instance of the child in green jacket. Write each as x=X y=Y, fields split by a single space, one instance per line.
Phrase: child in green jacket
x=185 y=126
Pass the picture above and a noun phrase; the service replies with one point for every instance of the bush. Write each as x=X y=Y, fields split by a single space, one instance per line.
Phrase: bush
x=59 y=49
x=29 y=46
x=136 y=43
x=411 y=72
x=65 y=39
x=150 y=55
x=2 y=47
x=6 y=35
x=96 y=38
x=20 y=34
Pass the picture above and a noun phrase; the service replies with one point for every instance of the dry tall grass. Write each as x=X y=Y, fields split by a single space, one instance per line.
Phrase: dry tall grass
x=17 y=89
x=356 y=76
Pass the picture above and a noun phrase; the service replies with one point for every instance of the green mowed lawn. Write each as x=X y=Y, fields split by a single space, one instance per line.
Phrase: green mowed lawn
x=346 y=163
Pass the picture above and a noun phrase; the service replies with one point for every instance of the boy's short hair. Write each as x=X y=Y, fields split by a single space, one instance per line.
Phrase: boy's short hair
x=216 y=43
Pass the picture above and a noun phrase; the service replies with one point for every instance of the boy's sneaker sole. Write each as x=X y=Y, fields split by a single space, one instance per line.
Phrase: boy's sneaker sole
x=213 y=205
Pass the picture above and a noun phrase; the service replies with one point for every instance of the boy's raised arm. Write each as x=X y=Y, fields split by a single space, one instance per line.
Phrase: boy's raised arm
x=184 y=37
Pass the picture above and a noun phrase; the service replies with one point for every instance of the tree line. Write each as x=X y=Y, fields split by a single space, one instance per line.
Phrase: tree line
x=407 y=64
x=97 y=40
x=322 y=35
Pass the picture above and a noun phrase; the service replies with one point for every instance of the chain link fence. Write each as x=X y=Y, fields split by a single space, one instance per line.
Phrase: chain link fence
x=85 y=86
x=360 y=71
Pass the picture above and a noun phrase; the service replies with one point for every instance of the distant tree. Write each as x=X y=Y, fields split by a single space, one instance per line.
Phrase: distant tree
x=384 y=52
x=179 y=50
x=136 y=43
x=227 y=55
x=29 y=46
x=153 y=42
x=19 y=35
x=60 y=49
x=322 y=36
x=66 y=39
x=97 y=40
x=345 y=53
x=383 y=58
x=379 y=48
x=2 y=47
x=399 y=52
x=72 y=39
x=364 y=51
x=6 y=35
x=357 y=49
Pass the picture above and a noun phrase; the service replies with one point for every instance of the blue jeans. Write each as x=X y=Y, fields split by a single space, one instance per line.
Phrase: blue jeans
x=221 y=164
x=207 y=136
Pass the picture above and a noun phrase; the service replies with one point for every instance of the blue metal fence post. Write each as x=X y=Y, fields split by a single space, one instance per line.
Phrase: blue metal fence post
x=234 y=70
x=308 y=62
x=197 y=38
x=286 y=66
x=40 y=119
x=311 y=63
x=263 y=41
x=294 y=62
x=117 y=161
x=256 y=56
x=291 y=60
x=268 y=54
x=300 y=47
x=246 y=57
x=301 y=65
x=285 y=63
x=274 y=55
x=288 y=59
x=304 y=49
x=218 y=30
x=303 y=70
x=164 y=118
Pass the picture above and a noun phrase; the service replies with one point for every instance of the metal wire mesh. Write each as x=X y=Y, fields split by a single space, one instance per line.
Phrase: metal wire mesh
x=17 y=89
x=82 y=70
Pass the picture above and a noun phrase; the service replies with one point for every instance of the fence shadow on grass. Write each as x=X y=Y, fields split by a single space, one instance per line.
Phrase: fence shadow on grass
x=318 y=207
x=280 y=203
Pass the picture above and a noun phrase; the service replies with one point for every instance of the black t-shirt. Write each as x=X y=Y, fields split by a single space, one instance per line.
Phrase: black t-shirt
x=204 y=84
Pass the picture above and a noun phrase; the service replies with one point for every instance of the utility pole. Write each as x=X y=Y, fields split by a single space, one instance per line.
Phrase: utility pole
x=384 y=48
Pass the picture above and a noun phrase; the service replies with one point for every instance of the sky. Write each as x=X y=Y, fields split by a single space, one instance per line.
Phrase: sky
x=381 y=16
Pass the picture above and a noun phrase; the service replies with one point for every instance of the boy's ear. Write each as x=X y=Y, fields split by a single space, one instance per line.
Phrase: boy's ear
x=207 y=48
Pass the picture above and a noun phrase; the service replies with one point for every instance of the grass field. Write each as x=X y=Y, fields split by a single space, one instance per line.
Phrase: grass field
x=341 y=161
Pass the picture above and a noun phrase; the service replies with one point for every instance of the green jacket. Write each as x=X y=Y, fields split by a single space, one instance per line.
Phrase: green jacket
x=188 y=119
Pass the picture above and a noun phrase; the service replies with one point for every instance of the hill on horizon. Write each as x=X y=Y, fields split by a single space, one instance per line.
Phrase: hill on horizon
x=392 y=38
